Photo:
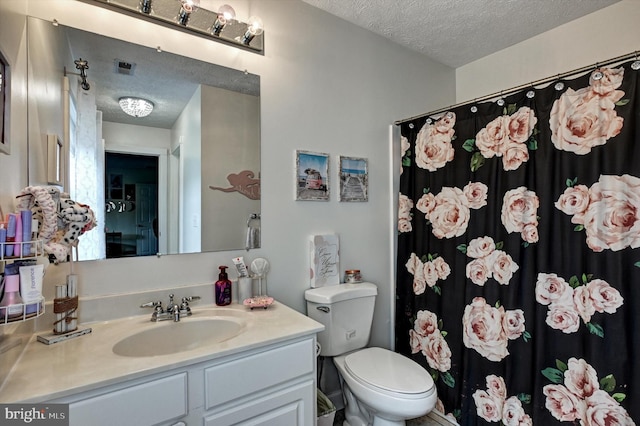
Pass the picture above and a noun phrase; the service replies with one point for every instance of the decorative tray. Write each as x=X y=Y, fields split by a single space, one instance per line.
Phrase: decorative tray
x=258 y=302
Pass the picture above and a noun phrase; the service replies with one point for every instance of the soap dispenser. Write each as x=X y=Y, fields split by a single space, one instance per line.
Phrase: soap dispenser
x=223 y=288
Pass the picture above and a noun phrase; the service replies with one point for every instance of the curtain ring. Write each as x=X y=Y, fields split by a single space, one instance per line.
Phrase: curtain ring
x=531 y=93
x=559 y=84
x=636 y=64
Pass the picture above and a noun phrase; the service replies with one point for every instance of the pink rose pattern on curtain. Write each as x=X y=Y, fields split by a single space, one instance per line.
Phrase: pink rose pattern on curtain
x=518 y=269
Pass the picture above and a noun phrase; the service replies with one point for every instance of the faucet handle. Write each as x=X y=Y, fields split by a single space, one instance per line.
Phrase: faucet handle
x=184 y=306
x=151 y=304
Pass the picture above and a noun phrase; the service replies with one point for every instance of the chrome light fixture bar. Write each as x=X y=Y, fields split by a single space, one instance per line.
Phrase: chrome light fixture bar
x=187 y=16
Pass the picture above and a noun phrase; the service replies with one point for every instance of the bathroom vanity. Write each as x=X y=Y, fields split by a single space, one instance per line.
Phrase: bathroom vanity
x=264 y=375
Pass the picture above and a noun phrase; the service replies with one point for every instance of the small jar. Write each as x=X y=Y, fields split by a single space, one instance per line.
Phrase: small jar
x=352 y=276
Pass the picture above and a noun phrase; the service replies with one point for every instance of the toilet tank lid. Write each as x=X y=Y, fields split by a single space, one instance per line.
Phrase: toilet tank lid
x=340 y=292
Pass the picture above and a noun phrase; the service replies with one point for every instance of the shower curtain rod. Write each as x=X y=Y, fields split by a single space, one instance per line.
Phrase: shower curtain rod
x=522 y=86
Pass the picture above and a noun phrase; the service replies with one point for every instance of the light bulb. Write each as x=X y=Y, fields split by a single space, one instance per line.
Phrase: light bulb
x=225 y=14
x=254 y=27
x=190 y=5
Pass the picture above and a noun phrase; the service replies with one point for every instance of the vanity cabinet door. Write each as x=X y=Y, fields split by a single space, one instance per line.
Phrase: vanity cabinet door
x=293 y=406
x=148 y=403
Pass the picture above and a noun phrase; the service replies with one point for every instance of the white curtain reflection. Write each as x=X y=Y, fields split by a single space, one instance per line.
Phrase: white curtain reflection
x=86 y=171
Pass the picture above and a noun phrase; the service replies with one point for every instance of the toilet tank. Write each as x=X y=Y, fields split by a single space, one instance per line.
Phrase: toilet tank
x=346 y=311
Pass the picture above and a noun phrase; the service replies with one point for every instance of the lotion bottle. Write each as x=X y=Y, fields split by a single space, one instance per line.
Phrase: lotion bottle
x=11 y=306
x=223 y=288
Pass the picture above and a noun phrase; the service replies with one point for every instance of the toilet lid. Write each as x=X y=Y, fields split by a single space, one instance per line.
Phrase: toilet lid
x=388 y=370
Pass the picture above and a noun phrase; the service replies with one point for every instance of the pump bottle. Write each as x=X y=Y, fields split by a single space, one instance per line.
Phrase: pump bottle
x=223 y=288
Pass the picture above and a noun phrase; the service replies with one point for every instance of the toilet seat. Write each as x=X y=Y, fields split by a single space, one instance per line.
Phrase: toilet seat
x=389 y=372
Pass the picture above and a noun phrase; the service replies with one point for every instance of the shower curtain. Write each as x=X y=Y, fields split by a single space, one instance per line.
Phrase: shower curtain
x=518 y=268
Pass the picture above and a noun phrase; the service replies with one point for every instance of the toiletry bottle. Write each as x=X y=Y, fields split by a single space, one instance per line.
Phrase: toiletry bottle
x=17 y=248
x=27 y=218
x=11 y=306
x=3 y=238
x=223 y=288
x=11 y=234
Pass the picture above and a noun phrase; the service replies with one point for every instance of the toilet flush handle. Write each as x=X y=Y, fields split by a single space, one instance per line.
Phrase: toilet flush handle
x=324 y=309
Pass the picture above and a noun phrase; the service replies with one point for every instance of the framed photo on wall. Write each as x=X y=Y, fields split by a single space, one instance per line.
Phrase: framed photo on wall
x=354 y=179
x=312 y=176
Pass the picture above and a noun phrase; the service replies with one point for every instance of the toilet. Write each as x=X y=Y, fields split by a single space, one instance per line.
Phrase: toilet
x=380 y=387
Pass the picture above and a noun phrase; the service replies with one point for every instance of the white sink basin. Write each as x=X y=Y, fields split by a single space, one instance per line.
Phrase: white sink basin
x=170 y=337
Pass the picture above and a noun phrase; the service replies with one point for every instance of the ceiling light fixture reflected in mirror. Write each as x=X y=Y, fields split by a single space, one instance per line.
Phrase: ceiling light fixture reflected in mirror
x=136 y=107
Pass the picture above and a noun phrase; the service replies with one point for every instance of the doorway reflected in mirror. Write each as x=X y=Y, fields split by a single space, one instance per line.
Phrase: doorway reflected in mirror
x=131 y=223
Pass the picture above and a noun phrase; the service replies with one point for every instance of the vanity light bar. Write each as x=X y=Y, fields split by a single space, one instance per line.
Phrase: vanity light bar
x=187 y=16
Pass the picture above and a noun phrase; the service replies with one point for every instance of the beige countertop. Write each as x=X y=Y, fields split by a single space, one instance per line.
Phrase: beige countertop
x=45 y=372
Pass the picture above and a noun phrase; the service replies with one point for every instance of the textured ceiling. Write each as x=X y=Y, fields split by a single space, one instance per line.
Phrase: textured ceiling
x=456 y=32
x=168 y=80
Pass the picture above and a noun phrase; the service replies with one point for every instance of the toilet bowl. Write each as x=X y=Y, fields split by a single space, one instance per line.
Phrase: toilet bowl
x=384 y=388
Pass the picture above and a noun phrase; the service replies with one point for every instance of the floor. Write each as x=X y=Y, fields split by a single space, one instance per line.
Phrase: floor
x=428 y=420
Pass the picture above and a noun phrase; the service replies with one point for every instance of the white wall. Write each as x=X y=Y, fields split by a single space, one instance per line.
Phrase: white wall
x=230 y=144
x=188 y=132
x=602 y=35
x=118 y=135
x=327 y=86
x=45 y=114
x=13 y=169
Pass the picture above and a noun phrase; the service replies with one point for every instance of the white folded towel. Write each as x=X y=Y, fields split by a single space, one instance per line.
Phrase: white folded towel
x=253 y=237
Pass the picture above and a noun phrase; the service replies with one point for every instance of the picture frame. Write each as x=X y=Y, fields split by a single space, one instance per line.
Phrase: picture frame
x=55 y=160
x=354 y=179
x=312 y=176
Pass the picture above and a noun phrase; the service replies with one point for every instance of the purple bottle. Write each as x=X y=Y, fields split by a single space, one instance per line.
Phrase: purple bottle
x=223 y=288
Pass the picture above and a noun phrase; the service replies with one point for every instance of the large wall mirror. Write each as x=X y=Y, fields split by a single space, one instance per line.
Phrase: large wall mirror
x=183 y=179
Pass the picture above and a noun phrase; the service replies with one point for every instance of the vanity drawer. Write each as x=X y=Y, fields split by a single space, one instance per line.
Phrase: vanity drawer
x=231 y=380
x=147 y=403
x=291 y=406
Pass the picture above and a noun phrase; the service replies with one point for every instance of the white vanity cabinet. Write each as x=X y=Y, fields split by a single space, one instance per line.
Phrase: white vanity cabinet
x=271 y=385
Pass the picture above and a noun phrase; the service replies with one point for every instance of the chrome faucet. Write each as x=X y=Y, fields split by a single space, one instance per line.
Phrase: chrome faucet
x=173 y=309
x=173 y=312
